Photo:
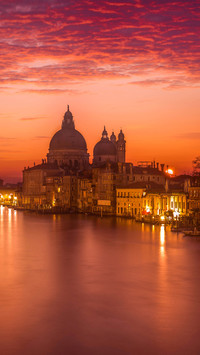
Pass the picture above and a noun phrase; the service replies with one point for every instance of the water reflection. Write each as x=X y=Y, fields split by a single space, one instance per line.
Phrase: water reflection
x=86 y=285
x=162 y=240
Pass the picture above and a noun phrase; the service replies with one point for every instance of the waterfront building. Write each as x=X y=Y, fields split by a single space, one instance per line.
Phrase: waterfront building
x=151 y=199
x=9 y=194
x=38 y=182
x=129 y=201
x=97 y=186
x=85 y=192
x=194 y=198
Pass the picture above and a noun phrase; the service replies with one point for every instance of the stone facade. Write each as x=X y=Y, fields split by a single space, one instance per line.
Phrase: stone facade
x=137 y=199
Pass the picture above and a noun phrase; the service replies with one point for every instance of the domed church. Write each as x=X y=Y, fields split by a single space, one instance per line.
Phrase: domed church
x=68 y=146
x=110 y=149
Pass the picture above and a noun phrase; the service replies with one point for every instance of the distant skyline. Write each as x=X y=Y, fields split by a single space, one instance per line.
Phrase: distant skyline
x=123 y=64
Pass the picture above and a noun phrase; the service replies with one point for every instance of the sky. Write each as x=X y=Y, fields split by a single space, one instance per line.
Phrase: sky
x=130 y=65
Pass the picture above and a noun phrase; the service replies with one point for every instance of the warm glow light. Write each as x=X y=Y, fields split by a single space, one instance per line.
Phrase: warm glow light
x=169 y=171
x=162 y=218
x=176 y=214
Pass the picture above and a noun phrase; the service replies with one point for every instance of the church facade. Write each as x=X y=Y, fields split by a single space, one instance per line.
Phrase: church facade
x=46 y=184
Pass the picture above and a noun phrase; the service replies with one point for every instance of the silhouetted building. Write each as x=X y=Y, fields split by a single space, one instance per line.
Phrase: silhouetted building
x=68 y=146
x=110 y=149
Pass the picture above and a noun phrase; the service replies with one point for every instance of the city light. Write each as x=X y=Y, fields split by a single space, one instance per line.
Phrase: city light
x=169 y=172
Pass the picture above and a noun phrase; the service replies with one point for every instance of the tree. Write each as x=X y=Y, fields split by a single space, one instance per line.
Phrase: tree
x=196 y=166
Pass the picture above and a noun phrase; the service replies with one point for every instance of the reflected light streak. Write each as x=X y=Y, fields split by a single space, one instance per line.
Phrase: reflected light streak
x=9 y=226
x=142 y=227
x=162 y=240
x=153 y=232
x=162 y=234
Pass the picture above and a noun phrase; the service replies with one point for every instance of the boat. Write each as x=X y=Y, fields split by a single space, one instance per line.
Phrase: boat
x=180 y=229
x=194 y=233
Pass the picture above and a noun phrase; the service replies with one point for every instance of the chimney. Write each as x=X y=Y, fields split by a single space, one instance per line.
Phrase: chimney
x=157 y=165
x=162 y=167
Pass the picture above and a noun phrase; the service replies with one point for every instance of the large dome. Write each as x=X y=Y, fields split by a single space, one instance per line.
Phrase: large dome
x=67 y=139
x=68 y=147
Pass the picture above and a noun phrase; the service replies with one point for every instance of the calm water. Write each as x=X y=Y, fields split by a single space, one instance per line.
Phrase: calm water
x=85 y=285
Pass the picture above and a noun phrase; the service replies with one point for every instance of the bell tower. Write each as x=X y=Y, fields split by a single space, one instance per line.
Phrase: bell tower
x=121 y=148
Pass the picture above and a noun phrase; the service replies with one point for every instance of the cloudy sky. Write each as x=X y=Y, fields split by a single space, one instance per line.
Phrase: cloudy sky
x=126 y=64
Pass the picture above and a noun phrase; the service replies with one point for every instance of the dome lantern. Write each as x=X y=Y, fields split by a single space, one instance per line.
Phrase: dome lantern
x=104 y=134
x=68 y=121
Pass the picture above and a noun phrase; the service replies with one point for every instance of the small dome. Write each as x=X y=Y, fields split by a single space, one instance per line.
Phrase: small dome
x=104 y=147
x=67 y=139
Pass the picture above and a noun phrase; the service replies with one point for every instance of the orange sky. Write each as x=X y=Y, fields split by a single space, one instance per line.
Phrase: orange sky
x=126 y=65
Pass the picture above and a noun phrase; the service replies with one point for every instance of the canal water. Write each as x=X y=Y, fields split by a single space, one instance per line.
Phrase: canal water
x=74 y=284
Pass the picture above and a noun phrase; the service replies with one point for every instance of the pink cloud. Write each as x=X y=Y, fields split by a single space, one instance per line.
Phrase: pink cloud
x=97 y=40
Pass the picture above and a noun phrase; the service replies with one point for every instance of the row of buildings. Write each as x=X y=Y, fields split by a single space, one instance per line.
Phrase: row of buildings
x=111 y=189
x=66 y=181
